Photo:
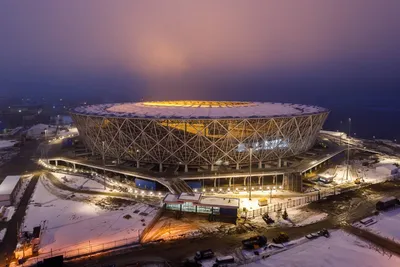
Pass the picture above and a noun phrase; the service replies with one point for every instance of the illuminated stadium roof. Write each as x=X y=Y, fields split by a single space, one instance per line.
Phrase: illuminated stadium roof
x=199 y=110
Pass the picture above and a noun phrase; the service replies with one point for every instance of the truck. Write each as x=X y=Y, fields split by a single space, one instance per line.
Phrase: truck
x=386 y=203
x=254 y=242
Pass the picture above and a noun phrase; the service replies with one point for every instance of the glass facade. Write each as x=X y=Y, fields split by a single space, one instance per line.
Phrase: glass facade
x=189 y=207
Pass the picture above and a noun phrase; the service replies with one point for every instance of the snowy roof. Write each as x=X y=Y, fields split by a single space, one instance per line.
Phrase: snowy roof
x=171 y=198
x=190 y=197
x=8 y=185
x=7 y=143
x=220 y=202
x=198 y=110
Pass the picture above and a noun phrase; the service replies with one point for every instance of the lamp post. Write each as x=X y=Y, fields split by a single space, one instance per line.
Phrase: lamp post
x=348 y=151
x=251 y=153
x=104 y=164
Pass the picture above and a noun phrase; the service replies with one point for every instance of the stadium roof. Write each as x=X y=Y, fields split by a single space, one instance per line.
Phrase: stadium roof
x=198 y=110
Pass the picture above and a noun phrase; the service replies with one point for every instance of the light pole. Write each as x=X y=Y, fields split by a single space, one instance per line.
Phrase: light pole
x=251 y=153
x=348 y=151
x=104 y=164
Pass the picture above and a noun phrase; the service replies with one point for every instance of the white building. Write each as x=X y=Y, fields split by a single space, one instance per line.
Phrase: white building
x=387 y=169
x=9 y=189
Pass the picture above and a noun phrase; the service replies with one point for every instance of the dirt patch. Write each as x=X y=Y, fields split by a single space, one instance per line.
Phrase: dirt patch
x=114 y=203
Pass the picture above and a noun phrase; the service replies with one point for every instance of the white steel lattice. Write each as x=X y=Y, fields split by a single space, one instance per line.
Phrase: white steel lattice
x=199 y=142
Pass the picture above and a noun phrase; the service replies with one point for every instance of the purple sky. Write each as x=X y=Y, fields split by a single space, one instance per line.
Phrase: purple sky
x=308 y=50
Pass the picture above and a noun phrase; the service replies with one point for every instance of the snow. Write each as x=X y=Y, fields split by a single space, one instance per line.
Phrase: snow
x=2 y=234
x=8 y=184
x=220 y=202
x=6 y=213
x=24 y=184
x=9 y=213
x=313 y=219
x=190 y=197
x=7 y=143
x=386 y=169
x=171 y=198
x=196 y=110
x=76 y=223
x=296 y=217
x=80 y=182
x=341 y=249
x=386 y=225
x=38 y=130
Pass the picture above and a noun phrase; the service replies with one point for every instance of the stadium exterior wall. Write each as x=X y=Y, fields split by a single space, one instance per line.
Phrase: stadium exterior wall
x=199 y=142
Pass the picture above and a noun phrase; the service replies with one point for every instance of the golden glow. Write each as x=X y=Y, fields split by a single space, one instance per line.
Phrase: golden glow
x=197 y=103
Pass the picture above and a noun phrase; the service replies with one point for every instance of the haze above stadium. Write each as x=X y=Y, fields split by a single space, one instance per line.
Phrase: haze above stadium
x=301 y=52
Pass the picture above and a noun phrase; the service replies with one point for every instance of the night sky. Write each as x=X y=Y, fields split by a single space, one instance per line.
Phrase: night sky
x=340 y=54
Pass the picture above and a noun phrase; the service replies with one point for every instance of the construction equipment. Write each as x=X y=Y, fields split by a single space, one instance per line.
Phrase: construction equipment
x=267 y=219
x=204 y=254
x=254 y=242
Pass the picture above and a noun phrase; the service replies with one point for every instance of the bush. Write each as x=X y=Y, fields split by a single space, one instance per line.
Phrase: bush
x=285 y=215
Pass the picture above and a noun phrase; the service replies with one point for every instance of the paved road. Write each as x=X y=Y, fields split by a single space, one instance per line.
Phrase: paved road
x=21 y=163
x=10 y=239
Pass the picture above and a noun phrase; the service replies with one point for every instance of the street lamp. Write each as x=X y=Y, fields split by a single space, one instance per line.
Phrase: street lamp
x=251 y=154
x=104 y=164
x=348 y=151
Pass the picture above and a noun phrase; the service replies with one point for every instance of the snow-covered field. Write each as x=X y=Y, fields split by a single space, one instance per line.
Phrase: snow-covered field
x=341 y=249
x=386 y=224
x=296 y=217
x=7 y=143
x=2 y=234
x=80 y=182
x=80 y=221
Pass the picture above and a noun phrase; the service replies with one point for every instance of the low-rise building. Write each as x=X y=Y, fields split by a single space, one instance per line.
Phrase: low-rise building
x=9 y=189
x=223 y=208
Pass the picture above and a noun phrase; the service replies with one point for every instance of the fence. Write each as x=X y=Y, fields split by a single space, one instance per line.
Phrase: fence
x=153 y=222
x=311 y=197
x=85 y=250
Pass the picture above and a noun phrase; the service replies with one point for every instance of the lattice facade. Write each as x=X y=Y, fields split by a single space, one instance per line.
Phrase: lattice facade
x=199 y=142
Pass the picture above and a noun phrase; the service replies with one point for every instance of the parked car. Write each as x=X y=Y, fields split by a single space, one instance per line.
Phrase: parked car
x=204 y=254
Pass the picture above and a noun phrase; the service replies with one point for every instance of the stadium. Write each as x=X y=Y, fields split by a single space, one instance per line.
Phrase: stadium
x=199 y=135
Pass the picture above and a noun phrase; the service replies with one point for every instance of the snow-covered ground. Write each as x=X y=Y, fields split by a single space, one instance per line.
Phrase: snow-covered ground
x=341 y=249
x=80 y=182
x=81 y=221
x=40 y=130
x=386 y=224
x=369 y=173
x=24 y=184
x=296 y=217
x=7 y=143
x=6 y=213
x=2 y=234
